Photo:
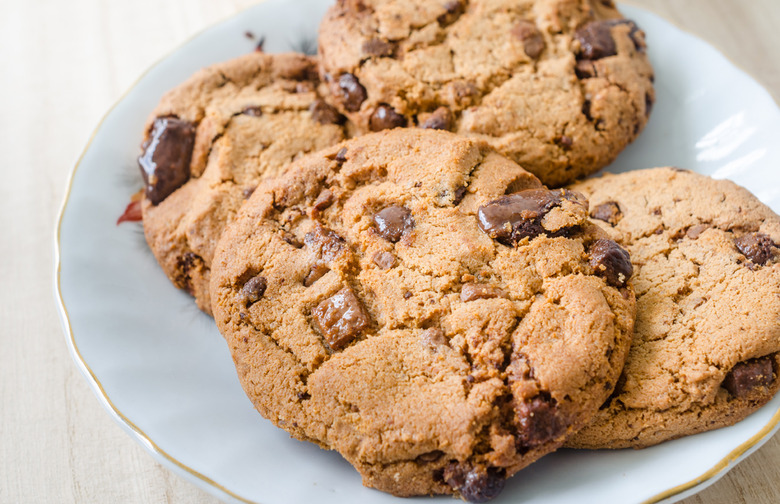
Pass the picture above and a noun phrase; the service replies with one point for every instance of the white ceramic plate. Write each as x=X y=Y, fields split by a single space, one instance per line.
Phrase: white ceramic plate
x=163 y=372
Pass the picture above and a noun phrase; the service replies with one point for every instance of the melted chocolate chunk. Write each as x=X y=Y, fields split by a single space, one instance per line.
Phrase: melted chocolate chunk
x=595 y=40
x=749 y=375
x=392 y=222
x=324 y=200
x=385 y=260
x=165 y=162
x=531 y=37
x=324 y=113
x=315 y=273
x=440 y=119
x=324 y=242
x=253 y=289
x=511 y=218
x=694 y=232
x=538 y=422
x=608 y=212
x=341 y=318
x=757 y=247
x=476 y=485
x=385 y=117
x=353 y=93
x=472 y=291
x=378 y=47
x=611 y=261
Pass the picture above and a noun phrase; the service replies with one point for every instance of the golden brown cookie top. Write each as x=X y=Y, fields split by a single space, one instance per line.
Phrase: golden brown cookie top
x=424 y=306
x=559 y=86
x=209 y=143
x=707 y=280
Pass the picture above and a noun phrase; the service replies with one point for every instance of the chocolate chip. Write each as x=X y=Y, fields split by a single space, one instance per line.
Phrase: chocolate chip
x=611 y=261
x=530 y=36
x=165 y=162
x=353 y=93
x=538 y=422
x=757 y=247
x=749 y=375
x=186 y=263
x=324 y=200
x=460 y=193
x=324 y=113
x=453 y=10
x=291 y=239
x=440 y=119
x=407 y=295
x=324 y=242
x=608 y=212
x=385 y=260
x=385 y=117
x=694 y=232
x=252 y=111
x=392 y=222
x=476 y=485
x=511 y=218
x=586 y=110
x=254 y=289
x=378 y=47
x=648 y=103
x=585 y=69
x=595 y=40
x=341 y=155
x=472 y=291
x=565 y=142
x=341 y=318
x=315 y=273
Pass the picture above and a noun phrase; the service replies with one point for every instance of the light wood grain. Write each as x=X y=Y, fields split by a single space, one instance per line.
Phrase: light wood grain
x=62 y=65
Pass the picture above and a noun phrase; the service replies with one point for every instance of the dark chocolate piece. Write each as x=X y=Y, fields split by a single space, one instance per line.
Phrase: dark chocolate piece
x=165 y=162
x=341 y=318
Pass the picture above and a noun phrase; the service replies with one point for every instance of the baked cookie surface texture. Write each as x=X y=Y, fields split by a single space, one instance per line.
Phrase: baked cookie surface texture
x=425 y=307
x=211 y=140
x=707 y=281
x=559 y=86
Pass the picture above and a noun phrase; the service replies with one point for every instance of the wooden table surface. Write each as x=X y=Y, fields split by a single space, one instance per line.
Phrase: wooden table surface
x=62 y=65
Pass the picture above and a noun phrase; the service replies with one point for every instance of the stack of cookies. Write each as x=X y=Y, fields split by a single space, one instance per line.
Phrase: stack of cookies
x=394 y=243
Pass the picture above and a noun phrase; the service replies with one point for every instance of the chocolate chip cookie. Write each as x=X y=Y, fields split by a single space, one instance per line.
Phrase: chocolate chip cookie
x=707 y=279
x=559 y=86
x=211 y=140
x=424 y=306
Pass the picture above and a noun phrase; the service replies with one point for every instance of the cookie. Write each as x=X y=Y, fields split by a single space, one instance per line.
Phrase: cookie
x=707 y=281
x=211 y=140
x=424 y=306
x=559 y=86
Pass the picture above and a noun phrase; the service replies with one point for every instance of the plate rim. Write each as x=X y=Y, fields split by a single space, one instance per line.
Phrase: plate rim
x=714 y=473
